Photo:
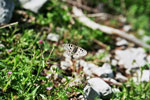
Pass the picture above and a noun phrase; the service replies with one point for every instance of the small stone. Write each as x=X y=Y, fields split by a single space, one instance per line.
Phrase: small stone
x=6 y=11
x=91 y=69
x=114 y=62
x=121 y=42
x=65 y=64
x=66 y=56
x=127 y=28
x=32 y=5
x=131 y=57
x=104 y=71
x=88 y=70
x=97 y=88
x=87 y=67
x=81 y=97
x=53 y=37
x=107 y=69
x=122 y=19
x=121 y=78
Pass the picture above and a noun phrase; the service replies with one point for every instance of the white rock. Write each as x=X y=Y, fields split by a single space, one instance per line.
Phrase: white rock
x=91 y=69
x=53 y=37
x=127 y=28
x=65 y=64
x=131 y=57
x=33 y=5
x=114 y=62
x=121 y=42
x=122 y=19
x=6 y=11
x=104 y=71
x=97 y=88
x=121 y=78
x=66 y=55
x=142 y=77
x=81 y=97
x=86 y=67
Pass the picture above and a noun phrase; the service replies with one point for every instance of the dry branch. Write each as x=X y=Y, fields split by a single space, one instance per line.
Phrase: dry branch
x=100 y=43
x=95 y=11
x=81 y=6
x=108 y=30
x=8 y=25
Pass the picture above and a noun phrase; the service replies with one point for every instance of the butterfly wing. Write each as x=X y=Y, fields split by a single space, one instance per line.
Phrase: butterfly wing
x=80 y=53
x=69 y=48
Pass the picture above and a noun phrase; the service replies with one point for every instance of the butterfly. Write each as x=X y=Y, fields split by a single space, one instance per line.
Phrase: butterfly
x=74 y=51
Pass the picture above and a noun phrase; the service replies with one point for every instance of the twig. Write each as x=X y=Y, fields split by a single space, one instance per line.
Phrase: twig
x=108 y=30
x=100 y=15
x=111 y=81
x=81 y=6
x=100 y=43
x=97 y=13
x=7 y=25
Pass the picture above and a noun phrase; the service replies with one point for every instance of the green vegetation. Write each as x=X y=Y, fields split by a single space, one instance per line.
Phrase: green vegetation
x=27 y=52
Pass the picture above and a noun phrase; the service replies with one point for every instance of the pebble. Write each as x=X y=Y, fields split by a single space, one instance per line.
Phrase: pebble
x=121 y=78
x=53 y=37
x=131 y=57
x=6 y=11
x=91 y=69
x=121 y=42
x=64 y=65
x=114 y=62
x=127 y=28
x=32 y=5
x=97 y=88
